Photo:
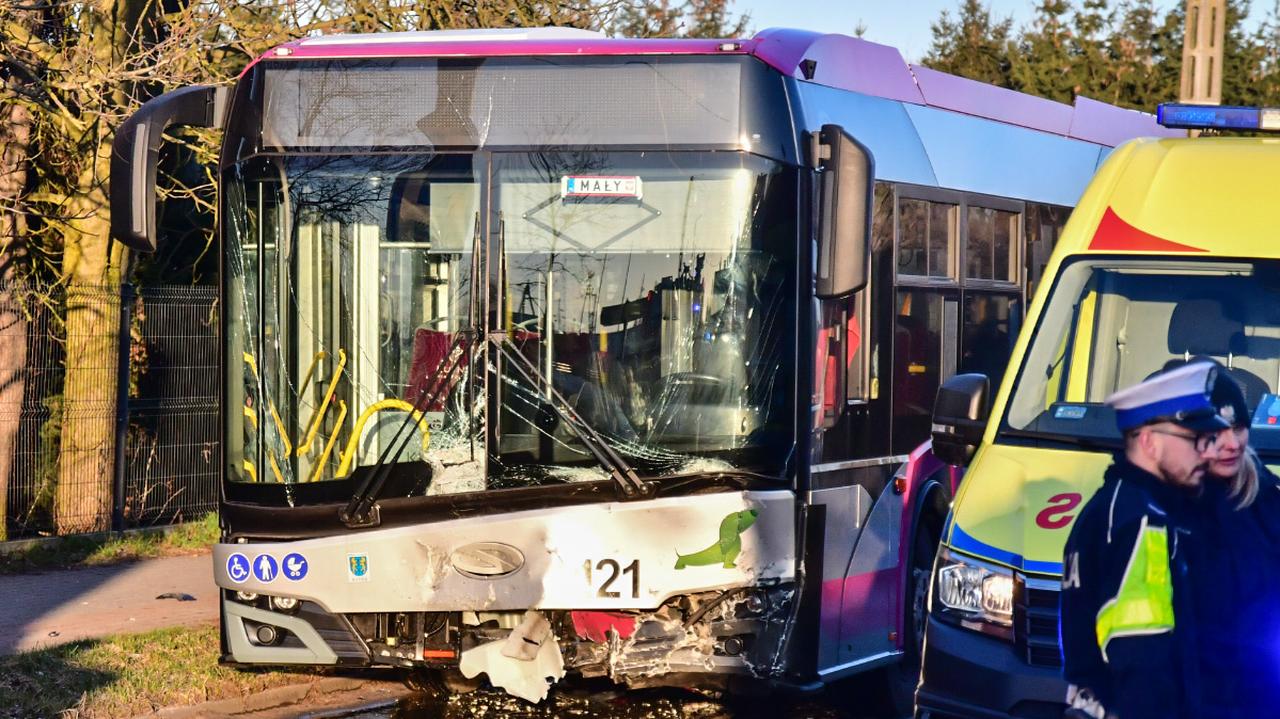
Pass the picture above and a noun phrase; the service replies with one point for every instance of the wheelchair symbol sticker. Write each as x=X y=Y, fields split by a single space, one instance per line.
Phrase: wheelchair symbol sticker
x=238 y=567
x=265 y=568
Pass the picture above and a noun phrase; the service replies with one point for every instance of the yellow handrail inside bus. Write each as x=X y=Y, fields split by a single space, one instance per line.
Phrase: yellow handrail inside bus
x=275 y=468
x=349 y=452
x=251 y=470
x=306 y=378
x=271 y=407
x=304 y=446
x=333 y=439
x=250 y=415
x=284 y=435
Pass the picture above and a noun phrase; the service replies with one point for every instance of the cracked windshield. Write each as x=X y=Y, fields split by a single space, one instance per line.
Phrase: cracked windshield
x=471 y=313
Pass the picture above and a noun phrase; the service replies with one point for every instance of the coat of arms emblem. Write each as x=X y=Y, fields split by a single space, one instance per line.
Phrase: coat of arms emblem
x=357 y=567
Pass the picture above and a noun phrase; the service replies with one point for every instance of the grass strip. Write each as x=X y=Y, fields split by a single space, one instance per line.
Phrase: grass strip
x=65 y=552
x=127 y=675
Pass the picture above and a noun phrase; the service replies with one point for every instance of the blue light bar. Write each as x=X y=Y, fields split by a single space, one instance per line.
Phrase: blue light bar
x=1217 y=117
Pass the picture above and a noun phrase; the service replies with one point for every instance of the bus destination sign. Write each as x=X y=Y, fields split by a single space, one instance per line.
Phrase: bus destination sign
x=599 y=186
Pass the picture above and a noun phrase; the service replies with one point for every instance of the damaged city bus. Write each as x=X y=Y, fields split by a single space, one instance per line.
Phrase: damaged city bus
x=546 y=352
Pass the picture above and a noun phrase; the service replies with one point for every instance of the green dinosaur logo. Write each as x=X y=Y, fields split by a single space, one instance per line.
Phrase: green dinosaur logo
x=726 y=549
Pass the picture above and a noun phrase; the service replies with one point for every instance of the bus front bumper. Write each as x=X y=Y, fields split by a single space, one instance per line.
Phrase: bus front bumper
x=971 y=675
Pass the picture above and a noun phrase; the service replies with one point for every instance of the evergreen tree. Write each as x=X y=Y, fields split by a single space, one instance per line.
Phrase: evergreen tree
x=1140 y=51
x=1091 y=66
x=1242 y=59
x=1267 y=39
x=711 y=18
x=973 y=45
x=1043 y=62
x=1166 y=61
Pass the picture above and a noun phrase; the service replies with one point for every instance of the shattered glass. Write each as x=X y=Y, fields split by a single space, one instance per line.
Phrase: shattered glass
x=652 y=291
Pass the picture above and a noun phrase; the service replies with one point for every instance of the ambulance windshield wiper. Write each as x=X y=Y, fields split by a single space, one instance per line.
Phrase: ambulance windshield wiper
x=1101 y=444
x=622 y=473
x=362 y=510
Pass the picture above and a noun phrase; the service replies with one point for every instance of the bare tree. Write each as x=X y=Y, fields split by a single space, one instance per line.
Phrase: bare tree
x=72 y=71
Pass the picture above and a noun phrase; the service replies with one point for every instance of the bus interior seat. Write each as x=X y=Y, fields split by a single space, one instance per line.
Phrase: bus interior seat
x=1208 y=327
x=430 y=349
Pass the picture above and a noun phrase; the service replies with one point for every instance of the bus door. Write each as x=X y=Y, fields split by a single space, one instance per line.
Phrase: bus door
x=958 y=301
x=925 y=311
x=351 y=304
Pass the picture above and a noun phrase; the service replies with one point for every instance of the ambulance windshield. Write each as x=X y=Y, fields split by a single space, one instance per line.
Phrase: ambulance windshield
x=1112 y=323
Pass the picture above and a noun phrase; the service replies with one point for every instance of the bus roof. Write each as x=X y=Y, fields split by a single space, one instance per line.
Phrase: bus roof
x=838 y=61
x=1197 y=196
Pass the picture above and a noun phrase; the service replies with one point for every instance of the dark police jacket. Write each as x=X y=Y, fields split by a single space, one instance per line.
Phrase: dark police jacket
x=1128 y=640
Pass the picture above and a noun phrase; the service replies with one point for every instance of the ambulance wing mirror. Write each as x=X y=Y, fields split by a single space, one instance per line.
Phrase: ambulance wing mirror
x=960 y=417
x=135 y=152
x=846 y=177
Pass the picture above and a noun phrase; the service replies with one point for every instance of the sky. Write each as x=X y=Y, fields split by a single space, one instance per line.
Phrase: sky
x=901 y=23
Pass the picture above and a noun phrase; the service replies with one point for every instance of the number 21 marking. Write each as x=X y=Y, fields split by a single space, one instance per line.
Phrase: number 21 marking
x=614 y=570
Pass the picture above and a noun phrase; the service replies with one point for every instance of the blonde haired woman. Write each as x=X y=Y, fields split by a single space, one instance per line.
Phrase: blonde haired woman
x=1240 y=639
x=1231 y=459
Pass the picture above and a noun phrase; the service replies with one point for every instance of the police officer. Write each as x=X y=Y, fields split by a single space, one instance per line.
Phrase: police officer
x=1128 y=642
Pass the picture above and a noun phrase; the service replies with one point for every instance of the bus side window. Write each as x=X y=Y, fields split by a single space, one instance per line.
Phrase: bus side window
x=1042 y=226
x=832 y=346
x=841 y=352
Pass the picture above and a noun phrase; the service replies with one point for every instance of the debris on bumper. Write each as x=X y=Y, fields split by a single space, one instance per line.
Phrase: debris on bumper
x=525 y=664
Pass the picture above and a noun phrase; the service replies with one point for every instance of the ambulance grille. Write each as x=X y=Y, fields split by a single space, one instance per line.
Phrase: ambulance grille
x=1036 y=623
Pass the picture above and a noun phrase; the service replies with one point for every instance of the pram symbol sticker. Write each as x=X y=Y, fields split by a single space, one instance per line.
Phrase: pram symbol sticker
x=357 y=567
x=265 y=568
x=295 y=567
x=238 y=567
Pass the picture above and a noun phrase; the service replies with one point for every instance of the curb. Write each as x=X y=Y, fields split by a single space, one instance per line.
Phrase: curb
x=18 y=546
x=274 y=698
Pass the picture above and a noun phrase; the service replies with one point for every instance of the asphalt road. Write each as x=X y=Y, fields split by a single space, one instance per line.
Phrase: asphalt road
x=603 y=701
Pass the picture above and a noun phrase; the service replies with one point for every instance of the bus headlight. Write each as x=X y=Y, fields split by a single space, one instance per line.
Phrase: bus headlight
x=974 y=594
x=288 y=605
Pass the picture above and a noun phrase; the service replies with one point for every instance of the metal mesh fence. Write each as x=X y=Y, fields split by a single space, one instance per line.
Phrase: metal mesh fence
x=59 y=402
x=32 y=338
x=171 y=456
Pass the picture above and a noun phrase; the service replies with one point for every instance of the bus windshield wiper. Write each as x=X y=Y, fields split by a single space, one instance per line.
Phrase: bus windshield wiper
x=622 y=473
x=362 y=510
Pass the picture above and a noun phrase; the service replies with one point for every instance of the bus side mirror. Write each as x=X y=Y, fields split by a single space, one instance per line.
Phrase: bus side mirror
x=135 y=152
x=846 y=179
x=959 y=417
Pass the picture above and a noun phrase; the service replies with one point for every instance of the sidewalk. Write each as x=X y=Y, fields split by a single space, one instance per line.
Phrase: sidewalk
x=59 y=606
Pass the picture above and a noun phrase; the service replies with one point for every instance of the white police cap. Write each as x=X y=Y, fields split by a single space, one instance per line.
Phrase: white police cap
x=1179 y=395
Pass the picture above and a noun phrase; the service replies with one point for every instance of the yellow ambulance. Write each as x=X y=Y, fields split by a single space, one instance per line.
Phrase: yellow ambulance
x=1172 y=253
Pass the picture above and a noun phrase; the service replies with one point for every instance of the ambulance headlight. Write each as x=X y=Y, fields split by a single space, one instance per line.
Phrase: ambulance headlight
x=974 y=594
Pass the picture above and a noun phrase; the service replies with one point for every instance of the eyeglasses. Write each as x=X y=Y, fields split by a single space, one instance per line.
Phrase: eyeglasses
x=1201 y=442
